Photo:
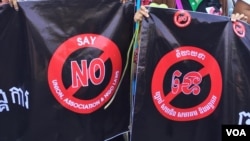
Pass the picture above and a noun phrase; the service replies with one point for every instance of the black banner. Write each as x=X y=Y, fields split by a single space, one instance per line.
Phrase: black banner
x=15 y=82
x=192 y=76
x=62 y=62
x=65 y=60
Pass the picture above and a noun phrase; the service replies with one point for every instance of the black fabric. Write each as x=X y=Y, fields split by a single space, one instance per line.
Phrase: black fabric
x=30 y=38
x=15 y=79
x=163 y=108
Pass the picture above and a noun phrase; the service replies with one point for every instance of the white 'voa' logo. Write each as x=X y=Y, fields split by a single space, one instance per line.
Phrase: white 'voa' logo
x=244 y=118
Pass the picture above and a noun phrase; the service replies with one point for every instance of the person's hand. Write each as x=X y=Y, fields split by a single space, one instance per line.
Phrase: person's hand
x=123 y=1
x=140 y=13
x=13 y=3
x=237 y=16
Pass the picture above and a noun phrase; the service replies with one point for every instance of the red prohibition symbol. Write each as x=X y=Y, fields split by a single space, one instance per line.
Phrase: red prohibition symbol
x=188 y=85
x=83 y=74
x=239 y=29
x=182 y=18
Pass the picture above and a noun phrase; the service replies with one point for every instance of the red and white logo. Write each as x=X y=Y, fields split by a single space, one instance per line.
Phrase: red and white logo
x=239 y=29
x=186 y=86
x=84 y=72
x=182 y=18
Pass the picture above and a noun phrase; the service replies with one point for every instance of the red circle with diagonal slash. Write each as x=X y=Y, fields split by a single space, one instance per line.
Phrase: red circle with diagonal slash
x=239 y=29
x=162 y=101
x=66 y=96
x=182 y=18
